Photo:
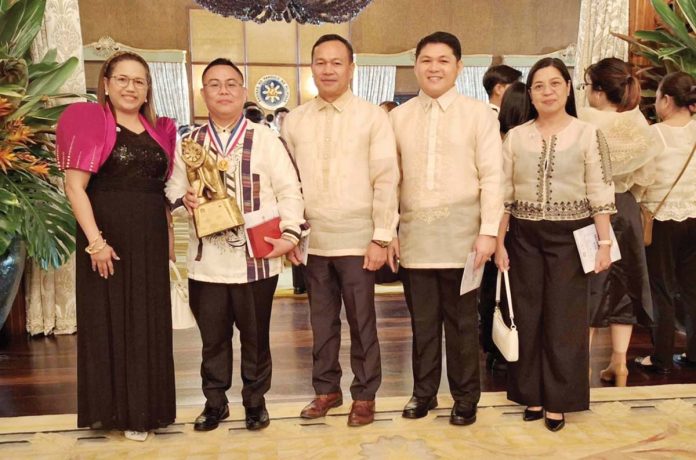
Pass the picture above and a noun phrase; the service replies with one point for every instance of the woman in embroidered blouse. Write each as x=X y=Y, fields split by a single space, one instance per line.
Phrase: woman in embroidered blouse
x=672 y=255
x=557 y=180
x=620 y=297
x=117 y=156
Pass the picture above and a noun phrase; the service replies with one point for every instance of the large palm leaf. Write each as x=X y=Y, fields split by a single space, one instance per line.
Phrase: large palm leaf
x=39 y=211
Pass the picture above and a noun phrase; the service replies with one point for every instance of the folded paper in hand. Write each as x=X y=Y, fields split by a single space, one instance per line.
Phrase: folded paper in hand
x=471 y=279
x=259 y=224
x=588 y=243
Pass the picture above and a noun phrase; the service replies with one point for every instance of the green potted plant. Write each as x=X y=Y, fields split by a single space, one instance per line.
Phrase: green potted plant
x=670 y=48
x=34 y=213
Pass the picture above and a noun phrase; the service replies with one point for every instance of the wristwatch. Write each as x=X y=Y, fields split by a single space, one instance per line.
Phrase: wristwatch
x=382 y=244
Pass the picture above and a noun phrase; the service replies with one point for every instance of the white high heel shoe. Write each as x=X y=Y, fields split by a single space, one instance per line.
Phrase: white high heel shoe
x=139 y=436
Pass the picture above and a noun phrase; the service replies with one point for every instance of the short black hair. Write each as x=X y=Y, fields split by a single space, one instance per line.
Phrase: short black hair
x=254 y=114
x=248 y=104
x=334 y=38
x=499 y=74
x=441 y=37
x=221 y=61
x=281 y=110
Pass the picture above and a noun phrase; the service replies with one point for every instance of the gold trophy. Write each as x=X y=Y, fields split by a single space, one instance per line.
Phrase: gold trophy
x=216 y=210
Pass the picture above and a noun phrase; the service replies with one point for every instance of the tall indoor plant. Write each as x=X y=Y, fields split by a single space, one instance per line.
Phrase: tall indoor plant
x=33 y=210
x=670 y=48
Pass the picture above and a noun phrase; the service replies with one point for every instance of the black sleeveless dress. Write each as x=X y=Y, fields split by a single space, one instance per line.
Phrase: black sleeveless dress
x=125 y=374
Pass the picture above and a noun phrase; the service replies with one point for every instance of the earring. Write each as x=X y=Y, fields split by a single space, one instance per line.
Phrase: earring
x=106 y=93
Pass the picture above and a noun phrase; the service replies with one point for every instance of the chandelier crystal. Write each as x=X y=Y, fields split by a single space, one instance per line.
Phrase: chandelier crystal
x=302 y=11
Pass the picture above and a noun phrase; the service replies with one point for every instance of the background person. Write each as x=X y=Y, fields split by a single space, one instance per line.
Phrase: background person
x=672 y=255
x=620 y=297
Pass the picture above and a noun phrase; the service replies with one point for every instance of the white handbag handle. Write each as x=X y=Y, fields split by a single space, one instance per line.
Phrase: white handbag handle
x=174 y=268
x=509 y=296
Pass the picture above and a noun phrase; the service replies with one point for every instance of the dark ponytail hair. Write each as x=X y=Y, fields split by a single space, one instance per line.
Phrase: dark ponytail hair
x=682 y=87
x=614 y=78
x=561 y=67
x=514 y=108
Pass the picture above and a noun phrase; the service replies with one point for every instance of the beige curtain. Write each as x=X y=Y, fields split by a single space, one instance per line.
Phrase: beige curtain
x=375 y=83
x=50 y=295
x=597 y=19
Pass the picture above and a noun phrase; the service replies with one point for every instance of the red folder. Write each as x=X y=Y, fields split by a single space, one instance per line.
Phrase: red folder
x=259 y=247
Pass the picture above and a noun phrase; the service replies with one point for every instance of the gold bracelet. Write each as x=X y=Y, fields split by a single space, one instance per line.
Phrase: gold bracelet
x=605 y=242
x=94 y=241
x=91 y=249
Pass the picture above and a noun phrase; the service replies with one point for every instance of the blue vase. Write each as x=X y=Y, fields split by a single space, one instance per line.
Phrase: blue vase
x=11 y=270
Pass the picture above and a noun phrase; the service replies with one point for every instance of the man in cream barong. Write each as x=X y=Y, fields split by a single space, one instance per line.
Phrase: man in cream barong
x=450 y=155
x=345 y=152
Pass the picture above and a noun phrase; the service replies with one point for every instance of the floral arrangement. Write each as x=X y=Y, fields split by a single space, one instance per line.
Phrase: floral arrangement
x=32 y=206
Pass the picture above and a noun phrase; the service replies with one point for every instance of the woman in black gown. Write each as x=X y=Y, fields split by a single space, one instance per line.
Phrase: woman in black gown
x=117 y=156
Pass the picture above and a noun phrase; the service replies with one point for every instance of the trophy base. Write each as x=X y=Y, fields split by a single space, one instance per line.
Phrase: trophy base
x=216 y=216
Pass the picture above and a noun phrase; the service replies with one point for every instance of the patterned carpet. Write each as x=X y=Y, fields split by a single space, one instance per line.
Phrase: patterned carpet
x=639 y=422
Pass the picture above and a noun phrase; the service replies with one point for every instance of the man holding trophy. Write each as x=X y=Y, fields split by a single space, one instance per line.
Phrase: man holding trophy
x=242 y=193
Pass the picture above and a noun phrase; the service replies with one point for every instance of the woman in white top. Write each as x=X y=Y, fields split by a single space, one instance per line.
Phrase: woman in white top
x=557 y=180
x=672 y=254
x=620 y=297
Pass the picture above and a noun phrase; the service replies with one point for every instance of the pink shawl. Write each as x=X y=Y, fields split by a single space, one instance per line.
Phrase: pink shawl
x=86 y=135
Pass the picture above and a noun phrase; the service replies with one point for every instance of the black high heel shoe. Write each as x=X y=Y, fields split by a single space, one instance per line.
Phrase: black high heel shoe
x=554 y=425
x=654 y=368
x=532 y=415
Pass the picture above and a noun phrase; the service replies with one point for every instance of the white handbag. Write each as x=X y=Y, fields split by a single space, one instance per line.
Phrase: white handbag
x=182 y=318
x=504 y=337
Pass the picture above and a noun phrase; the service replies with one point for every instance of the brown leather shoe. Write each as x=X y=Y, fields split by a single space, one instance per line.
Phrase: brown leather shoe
x=361 y=413
x=321 y=405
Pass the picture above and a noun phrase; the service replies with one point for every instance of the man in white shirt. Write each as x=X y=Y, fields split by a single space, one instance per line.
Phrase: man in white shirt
x=345 y=152
x=496 y=80
x=451 y=203
x=227 y=286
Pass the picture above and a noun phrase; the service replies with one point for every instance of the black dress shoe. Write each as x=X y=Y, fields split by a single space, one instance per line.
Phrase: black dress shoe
x=418 y=407
x=532 y=415
x=462 y=413
x=299 y=290
x=256 y=417
x=654 y=368
x=683 y=361
x=210 y=418
x=495 y=362
x=554 y=425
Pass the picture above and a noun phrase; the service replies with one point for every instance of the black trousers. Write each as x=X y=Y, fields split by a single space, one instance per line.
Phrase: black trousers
x=672 y=270
x=549 y=293
x=486 y=306
x=433 y=300
x=298 y=277
x=330 y=279
x=217 y=308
